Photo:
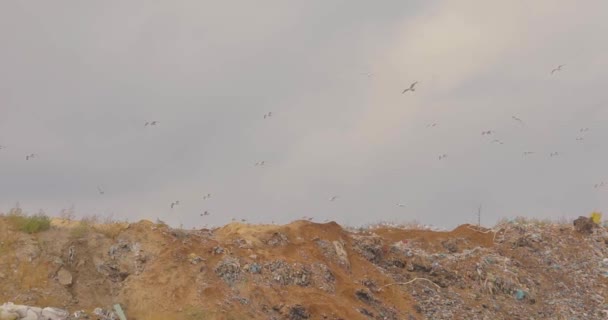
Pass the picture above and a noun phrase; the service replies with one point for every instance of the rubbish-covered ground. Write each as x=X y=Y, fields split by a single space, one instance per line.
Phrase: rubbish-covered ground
x=305 y=270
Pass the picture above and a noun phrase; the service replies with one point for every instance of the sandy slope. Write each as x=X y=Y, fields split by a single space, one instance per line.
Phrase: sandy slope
x=305 y=269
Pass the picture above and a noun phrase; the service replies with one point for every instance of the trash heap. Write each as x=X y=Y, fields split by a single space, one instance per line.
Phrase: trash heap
x=532 y=271
x=519 y=269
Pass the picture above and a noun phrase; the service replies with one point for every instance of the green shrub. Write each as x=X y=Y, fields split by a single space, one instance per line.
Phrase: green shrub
x=30 y=224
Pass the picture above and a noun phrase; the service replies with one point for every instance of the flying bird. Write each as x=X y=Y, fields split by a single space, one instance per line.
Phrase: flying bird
x=267 y=115
x=150 y=123
x=580 y=139
x=559 y=68
x=487 y=132
x=553 y=154
x=517 y=119
x=100 y=190
x=207 y=196
x=261 y=163
x=497 y=141
x=30 y=156
x=333 y=198
x=584 y=130
x=527 y=153
x=443 y=156
x=400 y=205
x=173 y=204
x=206 y=213
x=411 y=88
x=430 y=125
x=599 y=185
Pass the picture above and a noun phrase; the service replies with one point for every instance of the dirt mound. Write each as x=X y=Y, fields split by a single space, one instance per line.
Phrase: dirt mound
x=306 y=270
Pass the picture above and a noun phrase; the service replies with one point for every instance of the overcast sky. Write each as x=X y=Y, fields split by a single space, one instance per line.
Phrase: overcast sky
x=78 y=81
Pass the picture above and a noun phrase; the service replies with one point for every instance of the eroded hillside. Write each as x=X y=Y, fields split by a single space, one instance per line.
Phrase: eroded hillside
x=307 y=270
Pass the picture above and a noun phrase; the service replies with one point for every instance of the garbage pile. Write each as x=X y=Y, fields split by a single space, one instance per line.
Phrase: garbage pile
x=519 y=269
x=532 y=271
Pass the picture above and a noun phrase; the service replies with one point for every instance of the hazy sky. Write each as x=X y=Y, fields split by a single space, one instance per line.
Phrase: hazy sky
x=78 y=80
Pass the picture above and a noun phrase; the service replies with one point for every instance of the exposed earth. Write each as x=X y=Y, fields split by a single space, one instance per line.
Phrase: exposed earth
x=304 y=270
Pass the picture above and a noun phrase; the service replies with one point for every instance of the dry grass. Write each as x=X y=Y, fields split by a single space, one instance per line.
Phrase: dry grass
x=111 y=230
x=523 y=221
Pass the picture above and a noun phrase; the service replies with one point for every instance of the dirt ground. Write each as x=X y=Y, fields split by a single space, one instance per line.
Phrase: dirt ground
x=307 y=270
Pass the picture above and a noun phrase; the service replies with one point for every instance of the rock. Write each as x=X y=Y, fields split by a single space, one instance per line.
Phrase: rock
x=365 y=296
x=27 y=249
x=255 y=268
x=8 y=315
x=10 y=311
x=342 y=255
x=64 y=277
x=451 y=245
x=277 y=239
x=520 y=294
x=366 y=312
x=104 y=314
x=194 y=259
x=54 y=314
x=32 y=315
x=298 y=312
x=23 y=310
x=584 y=225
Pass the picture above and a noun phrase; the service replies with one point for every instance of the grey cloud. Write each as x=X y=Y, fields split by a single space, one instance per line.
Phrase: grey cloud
x=79 y=82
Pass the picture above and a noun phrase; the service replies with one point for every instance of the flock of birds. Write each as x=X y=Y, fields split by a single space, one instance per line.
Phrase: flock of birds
x=411 y=88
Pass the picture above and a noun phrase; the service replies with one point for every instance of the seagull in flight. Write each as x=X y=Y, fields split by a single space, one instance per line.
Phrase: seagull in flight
x=580 y=139
x=559 y=68
x=497 y=141
x=527 y=153
x=30 y=156
x=333 y=198
x=443 y=156
x=487 y=132
x=267 y=115
x=599 y=185
x=206 y=213
x=207 y=196
x=2 y=147
x=431 y=125
x=517 y=119
x=173 y=204
x=584 y=130
x=401 y=205
x=150 y=123
x=261 y=163
x=100 y=190
x=553 y=154
x=411 y=88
